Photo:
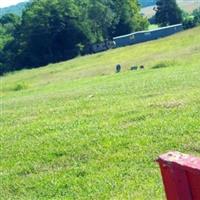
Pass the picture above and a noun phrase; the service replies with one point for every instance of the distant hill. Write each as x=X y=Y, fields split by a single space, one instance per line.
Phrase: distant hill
x=145 y=3
x=186 y=5
x=16 y=9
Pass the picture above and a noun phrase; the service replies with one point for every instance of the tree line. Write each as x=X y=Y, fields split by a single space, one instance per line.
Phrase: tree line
x=49 y=31
x=55 y=30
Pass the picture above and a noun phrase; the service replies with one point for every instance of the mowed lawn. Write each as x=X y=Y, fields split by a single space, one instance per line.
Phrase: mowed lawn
x=76 y=130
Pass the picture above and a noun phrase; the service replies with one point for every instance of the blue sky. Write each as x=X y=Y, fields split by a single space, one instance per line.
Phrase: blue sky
x=5 y=3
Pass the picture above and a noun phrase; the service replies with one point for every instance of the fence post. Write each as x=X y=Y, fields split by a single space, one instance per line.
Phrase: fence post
x=181 y=176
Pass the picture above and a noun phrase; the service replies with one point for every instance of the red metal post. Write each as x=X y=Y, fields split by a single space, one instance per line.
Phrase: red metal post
x=181 y=176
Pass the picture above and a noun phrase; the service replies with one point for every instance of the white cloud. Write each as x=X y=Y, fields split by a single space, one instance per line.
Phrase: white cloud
x=5 y=3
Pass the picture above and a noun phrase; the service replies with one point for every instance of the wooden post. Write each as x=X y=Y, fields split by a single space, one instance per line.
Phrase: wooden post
x=181 y=176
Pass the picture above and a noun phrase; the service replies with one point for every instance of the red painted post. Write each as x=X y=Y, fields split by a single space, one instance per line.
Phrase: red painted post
x=181 y=176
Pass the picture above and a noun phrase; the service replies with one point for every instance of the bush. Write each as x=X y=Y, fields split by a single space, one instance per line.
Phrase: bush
x=196 y=15
x=189 y=23
x=20 y=86
x=164 y=64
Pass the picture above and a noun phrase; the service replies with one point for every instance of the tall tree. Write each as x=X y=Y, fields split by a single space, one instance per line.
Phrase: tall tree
x=49 y=32
x=101 y=17
x=128 y=17
x=168 y=12
x=8 y=24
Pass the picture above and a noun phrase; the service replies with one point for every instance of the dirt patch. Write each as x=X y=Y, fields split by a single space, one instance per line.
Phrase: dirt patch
x=173 y=104
x=169 y=104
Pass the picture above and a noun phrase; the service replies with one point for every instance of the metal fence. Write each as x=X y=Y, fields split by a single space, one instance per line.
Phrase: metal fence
x=144 y=36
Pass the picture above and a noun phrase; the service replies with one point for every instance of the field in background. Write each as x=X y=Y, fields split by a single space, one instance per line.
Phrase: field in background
x=186 y=5
x=77 y=130
x=153 y=26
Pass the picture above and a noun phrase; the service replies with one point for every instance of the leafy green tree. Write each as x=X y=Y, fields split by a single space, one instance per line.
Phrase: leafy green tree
x=168 y=12
x=8 y=24
x=49 y=32
x=128 y=17
x=9 y=19
x=188 y=20
x=189 y=23
x=101 y=18
x=192 y=20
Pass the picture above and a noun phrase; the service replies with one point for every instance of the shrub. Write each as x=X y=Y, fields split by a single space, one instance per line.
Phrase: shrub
x=196 y=15
x=20 y=86
x=189 y=23
x=164 y=64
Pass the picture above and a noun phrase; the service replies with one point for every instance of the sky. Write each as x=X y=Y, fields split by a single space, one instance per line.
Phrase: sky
x=5 y=3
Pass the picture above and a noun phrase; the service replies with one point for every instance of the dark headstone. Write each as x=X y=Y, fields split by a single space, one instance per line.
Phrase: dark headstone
x=142 y=67
x=118 y=68
x=134 y=68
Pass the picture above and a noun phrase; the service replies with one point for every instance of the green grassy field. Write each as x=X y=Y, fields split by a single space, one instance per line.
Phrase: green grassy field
x=77 y=130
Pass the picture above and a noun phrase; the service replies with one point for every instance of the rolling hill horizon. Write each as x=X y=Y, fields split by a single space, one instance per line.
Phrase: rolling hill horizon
x=15 y=9
x=147 y=7
x=18 y=8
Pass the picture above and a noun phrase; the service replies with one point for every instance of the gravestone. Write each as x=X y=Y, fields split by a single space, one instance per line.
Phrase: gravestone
x=118 y=68
x=142 y=67
x=134 y=68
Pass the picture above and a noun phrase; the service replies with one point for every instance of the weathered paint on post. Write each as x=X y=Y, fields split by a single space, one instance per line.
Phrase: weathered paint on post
x=181 y=176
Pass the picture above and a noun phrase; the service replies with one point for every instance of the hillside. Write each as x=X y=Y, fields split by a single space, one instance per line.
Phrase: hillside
x=187 y=6
x=77 y=130
x=15 y=9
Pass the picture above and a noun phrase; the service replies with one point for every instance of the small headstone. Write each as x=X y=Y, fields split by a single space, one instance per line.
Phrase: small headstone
x=134 y=68
x=142 y=67
x=118 y=68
